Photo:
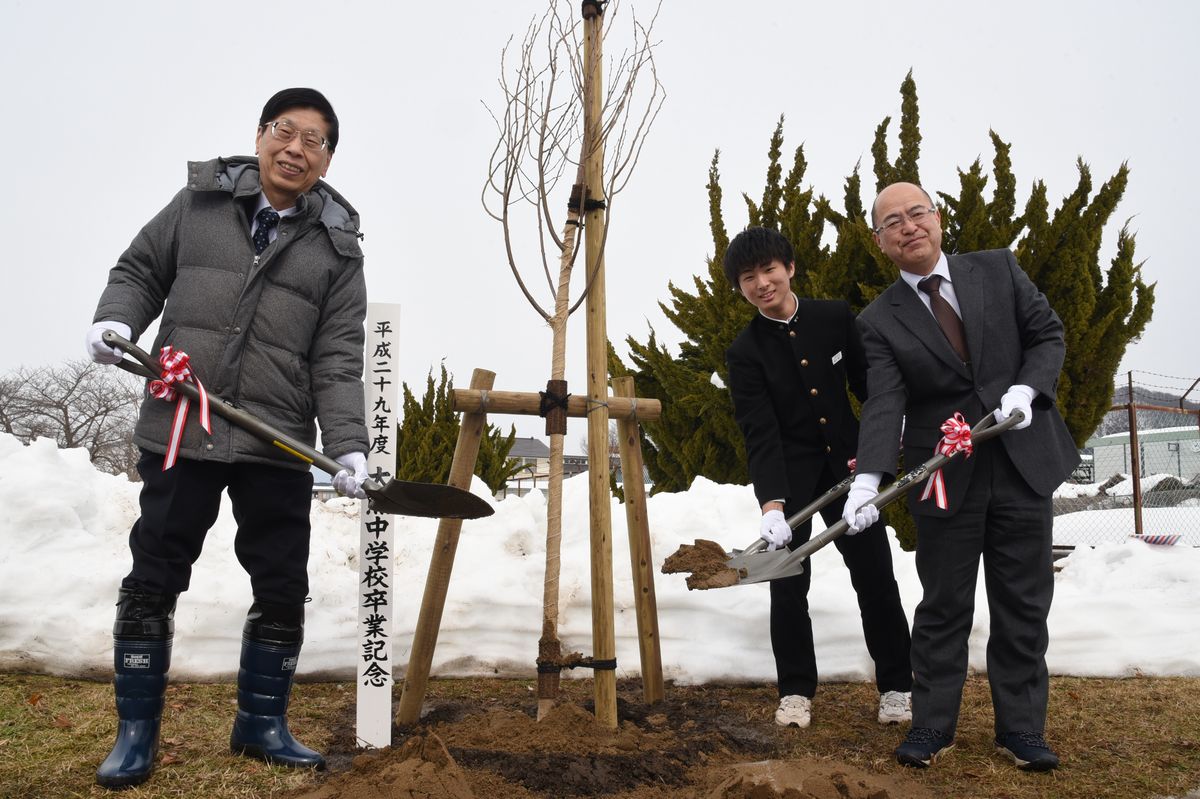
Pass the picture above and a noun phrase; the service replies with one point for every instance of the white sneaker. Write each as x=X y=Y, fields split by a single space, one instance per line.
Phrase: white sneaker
x=794 y=711
x=895 y=707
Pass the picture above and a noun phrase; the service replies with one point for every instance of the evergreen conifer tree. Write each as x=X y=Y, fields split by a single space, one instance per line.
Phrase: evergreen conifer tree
x=429 y=431
x=1102 y=310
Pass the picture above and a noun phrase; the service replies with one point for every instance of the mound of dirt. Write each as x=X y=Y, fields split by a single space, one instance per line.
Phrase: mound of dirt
x=706 y=560
x=567 y=728
x=421 y=768
x=698 y=745
x=567 y=753
x=810 y=779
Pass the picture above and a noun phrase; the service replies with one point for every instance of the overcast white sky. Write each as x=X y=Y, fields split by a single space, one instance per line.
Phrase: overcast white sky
x=104 y=104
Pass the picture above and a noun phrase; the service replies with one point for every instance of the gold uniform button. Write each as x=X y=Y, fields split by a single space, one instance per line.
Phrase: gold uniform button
x=804 y=362
x=813 y=391
x=828 y=450
x=792 y=333
x=824 y=420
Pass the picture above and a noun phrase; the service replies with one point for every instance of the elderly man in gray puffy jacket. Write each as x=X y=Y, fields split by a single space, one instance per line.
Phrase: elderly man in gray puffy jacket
x=256 y=271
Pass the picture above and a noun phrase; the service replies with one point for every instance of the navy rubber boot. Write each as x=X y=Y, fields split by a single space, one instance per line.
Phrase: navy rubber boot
x=271 y=644
x=141 y=659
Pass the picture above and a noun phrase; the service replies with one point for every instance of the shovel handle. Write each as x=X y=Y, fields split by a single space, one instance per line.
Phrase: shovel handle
x=807 y=512
x=145 y=366
x=984 y=429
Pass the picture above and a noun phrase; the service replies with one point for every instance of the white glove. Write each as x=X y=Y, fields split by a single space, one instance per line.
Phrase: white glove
x=774 y=530
x=349 y=480
x=1017 y=398
x=859 y=512
x=100 y=352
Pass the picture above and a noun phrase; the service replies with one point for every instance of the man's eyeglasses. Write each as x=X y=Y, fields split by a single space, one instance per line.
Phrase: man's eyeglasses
x=285 y=131
x=915 y=215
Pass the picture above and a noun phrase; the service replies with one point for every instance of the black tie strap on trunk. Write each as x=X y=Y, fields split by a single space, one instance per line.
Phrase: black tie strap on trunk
x=552 y=406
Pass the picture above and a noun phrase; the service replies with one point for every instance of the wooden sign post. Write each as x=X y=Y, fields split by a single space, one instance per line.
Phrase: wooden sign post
x=373 y=723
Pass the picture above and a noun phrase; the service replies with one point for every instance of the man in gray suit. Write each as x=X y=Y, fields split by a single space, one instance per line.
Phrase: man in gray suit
x=967 y=334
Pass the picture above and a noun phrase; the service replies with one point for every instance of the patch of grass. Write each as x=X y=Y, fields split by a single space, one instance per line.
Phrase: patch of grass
x=1127 y=739
x=1134 y=738
x=55 y=732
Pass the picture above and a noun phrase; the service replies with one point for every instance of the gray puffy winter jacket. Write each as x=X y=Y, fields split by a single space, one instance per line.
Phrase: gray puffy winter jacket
x=279 y=335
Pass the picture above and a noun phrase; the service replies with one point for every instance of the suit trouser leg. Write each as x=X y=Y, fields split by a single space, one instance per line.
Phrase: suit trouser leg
x=868 y=557
x=792 y=636
x=948 y=552
x=791 y=627
x=1018 y=567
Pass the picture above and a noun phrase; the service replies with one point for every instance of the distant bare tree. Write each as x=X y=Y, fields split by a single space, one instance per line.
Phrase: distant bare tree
x=78 y=404
x=614 y=447
x=12 y=406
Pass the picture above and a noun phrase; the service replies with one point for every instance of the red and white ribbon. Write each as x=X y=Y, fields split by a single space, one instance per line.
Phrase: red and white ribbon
x=957 y=438
x=1157 y=540
x=176 y=368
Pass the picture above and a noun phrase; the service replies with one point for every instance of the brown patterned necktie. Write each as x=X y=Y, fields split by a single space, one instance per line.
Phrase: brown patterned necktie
x=946 y=318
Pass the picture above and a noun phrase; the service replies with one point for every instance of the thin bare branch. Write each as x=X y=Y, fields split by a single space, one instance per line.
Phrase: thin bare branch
x=539 y=132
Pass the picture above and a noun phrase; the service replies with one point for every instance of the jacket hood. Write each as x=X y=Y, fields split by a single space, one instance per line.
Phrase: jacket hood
x=238 y=175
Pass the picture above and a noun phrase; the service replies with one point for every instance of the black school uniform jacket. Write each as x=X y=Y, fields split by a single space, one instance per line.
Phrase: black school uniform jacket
x=788 y=383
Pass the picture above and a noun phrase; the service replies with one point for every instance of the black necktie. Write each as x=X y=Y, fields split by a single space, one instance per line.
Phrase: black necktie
x=951 y=325
x=267 y=219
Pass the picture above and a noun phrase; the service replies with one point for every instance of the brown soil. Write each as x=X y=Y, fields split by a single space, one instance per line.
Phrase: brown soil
x=699 y=748
x=706 y=560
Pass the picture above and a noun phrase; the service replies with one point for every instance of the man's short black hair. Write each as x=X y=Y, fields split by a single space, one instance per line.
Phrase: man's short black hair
x=755 y=246
x=302 y=98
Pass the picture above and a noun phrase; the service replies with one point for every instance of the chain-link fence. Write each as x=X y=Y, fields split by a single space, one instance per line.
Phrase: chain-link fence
x=1142 y=484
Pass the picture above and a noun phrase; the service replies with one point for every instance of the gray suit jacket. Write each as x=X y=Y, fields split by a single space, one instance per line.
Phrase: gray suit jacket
x=915 y=381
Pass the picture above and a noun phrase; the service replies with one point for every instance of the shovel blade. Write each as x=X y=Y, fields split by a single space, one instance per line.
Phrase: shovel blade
x=427 y=500
x=763 y=566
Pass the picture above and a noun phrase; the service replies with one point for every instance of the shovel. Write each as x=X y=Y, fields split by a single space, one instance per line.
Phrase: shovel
x=755 y=565
x=430 y=500
x=739 y=558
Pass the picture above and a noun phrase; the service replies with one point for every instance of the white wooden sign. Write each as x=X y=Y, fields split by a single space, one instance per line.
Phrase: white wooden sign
x=376 y=608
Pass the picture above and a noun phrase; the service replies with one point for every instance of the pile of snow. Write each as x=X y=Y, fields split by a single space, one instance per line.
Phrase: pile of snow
x=1120 y=609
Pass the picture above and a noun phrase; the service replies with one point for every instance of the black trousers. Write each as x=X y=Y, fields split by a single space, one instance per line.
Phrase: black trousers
x=271 y=507
x=1010 y=527
x=869 y=558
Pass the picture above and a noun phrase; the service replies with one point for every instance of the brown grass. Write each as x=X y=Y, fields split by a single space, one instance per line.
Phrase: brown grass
x=1129 y=739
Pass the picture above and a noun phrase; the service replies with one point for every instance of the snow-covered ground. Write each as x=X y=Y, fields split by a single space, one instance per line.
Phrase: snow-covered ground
x=1121 y=608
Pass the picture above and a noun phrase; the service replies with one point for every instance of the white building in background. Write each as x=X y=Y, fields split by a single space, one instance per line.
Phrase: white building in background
x=1170 y=450
x=534 y=456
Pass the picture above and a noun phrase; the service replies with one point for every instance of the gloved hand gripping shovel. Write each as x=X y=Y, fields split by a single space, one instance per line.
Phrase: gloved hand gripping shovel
x=738 y=558
x=755 y=565
x=430 y=500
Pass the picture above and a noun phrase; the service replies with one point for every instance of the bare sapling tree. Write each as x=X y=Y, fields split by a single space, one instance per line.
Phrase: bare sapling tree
x=541 y=140
x=78 y=404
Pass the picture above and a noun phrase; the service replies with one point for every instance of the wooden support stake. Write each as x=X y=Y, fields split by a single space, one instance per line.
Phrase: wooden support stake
x=1135 y=462
x=527 y=403
x=641 y=556
x=429 y=622
x=604 y=644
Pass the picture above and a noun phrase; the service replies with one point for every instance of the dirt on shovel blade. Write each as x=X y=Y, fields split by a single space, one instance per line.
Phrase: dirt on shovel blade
x=708 y=563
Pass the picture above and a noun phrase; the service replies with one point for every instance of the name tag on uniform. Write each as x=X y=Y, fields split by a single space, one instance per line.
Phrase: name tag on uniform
x=837 y=357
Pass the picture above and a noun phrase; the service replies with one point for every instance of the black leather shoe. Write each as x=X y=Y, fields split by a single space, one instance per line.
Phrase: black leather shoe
x=922 y=746
x=1028 y=750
